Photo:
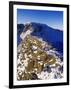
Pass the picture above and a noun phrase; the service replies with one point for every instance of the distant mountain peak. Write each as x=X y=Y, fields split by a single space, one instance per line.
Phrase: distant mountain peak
x=36 y=24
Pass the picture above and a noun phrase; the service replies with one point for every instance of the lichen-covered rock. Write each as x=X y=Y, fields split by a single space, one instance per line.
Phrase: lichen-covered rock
x=33 y=60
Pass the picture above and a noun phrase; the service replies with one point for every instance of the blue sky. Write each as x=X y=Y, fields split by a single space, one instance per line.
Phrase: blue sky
x=52 y=18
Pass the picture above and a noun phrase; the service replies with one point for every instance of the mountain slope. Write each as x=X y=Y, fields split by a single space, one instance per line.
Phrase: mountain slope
x=20 y=28
x=53 y=36
x=48 y=34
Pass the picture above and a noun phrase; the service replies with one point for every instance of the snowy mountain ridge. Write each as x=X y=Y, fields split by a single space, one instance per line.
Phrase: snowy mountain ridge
x=48 y=34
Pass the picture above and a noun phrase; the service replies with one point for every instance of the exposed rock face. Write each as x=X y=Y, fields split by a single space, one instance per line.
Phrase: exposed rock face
x=36 y=59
